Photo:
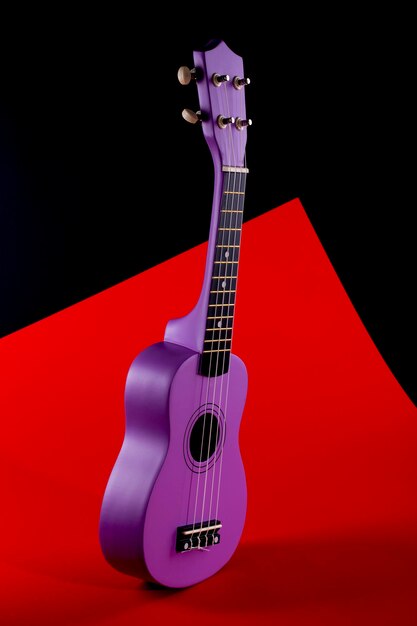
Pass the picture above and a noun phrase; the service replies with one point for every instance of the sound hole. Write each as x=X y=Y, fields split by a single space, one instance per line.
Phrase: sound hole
x=203 y=443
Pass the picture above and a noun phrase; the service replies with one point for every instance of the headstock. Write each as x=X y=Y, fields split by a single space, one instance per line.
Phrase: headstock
x=221 y=83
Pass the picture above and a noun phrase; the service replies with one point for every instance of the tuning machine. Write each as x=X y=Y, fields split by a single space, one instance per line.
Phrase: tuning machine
x=238 y=83
x=223 y=122
x=241 y=124
x=185 y=75
x=219 y=79
x=192 y=117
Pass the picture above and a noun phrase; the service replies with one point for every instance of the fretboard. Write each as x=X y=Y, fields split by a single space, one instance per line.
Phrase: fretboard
x=215 y=357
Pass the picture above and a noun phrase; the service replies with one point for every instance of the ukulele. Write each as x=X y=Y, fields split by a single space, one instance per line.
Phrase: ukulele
x=175 y=504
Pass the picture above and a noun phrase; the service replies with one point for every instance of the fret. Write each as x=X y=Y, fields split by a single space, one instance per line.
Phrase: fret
x=231 y=211
x=223 y=318
x=216 y=340
x=228 y=250
x=231 y=261
x=221 y=350
x=217 y=343
x=225 y=278
x=225 y=313
x=219 y=329
x=229 y=290
x=207 y=336
x=216 y=317
x=224 y=342
x=222 y=304
x=223 y=310
x=235 y=192
x=234 y=237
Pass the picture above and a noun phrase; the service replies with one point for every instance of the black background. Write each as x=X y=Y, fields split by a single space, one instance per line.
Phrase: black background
x=90 y=119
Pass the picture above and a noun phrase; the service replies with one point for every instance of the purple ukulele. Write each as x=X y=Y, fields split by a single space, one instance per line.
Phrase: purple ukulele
x=174 y=507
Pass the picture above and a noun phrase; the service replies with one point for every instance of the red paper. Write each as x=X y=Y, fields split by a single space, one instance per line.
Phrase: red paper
x=329 y=441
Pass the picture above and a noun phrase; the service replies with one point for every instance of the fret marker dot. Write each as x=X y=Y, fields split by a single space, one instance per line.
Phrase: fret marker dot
x=226 y=254
x=219 y=324
x=224 y=284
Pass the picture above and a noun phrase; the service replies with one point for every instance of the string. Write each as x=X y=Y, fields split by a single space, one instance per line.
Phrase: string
x=223 y=96
x=208 y=378
x=233 y=270
x=237 y=221
x=233 y=264
x=236 y=229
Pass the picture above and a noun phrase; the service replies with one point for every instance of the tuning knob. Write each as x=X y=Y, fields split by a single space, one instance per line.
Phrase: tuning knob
x=185 y=75
x=223 y=122
x=238 y=83
x=219 y=79
x=241 y=124
x=191 y=116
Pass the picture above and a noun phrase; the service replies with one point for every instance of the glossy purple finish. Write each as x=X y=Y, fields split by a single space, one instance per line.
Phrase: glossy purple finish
x=152 y=489
x=143 y=451
x=155 y=487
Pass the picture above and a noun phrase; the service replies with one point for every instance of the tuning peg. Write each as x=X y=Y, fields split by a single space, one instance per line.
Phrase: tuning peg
x=218 y=79
x=241 y=124
x=185 y=75
x=191 y=116
x=238 y=83
x=223 y=122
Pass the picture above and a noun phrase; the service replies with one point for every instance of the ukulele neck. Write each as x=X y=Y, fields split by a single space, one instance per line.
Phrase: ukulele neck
x=222 y=286
x=220 y=80
x=208 y=328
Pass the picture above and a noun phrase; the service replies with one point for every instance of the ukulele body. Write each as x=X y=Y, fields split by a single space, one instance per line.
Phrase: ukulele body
x=162 y=482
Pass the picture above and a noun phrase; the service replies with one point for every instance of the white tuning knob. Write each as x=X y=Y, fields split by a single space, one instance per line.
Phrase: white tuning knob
x=238 y=83
x=241 y=124
x=185 y=75
x=191 y=117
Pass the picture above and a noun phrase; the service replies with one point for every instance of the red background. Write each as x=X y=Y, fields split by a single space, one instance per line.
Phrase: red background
x=329 y=441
